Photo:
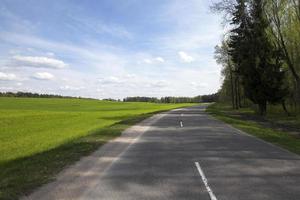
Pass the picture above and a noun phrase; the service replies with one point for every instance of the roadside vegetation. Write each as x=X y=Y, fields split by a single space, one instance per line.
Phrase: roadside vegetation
x=260 y=59
x=273 y=128
x=41 y=136
x=260 y=54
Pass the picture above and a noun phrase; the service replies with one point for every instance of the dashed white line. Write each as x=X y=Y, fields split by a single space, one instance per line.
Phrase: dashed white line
x=210 y=192
x=181 y=124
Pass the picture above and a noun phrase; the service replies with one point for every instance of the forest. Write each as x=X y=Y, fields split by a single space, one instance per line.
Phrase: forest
x=197 y=99
x=260 y=54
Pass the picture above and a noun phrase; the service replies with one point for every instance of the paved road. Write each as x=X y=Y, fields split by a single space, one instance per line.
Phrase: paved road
x=156 y=160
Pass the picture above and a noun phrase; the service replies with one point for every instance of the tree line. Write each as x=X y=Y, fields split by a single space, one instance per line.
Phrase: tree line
x=197 y=99
x=260 y=54
x=35 y=95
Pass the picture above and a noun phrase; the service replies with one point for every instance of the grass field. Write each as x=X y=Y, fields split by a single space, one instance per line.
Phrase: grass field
x=39 y=137
x=269 y=134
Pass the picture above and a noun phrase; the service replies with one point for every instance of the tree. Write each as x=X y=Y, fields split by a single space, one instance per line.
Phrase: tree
x=284 y=18
x=259 y=63
x=264 y=47
x=222 y=57
x=226 y=7
x=239 y=43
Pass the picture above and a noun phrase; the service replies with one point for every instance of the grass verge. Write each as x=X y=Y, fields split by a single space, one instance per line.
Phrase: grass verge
x=280 y=138
x=20 y=176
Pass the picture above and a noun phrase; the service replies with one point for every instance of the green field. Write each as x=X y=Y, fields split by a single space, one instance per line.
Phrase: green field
x=38 y=137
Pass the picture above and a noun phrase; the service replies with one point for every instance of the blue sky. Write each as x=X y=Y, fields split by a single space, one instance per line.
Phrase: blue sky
x=109 y=48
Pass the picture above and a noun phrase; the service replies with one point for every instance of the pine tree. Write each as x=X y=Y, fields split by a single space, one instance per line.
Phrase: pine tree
x=263 y=76
x=258 y=62
x=238 y=44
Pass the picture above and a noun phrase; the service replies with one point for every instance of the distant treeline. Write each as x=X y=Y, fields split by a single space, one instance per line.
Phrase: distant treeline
x=197 y=99
x=35 y=95
x=111 y=99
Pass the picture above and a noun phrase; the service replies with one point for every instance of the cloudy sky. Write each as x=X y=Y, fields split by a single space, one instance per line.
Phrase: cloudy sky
x=109 y=48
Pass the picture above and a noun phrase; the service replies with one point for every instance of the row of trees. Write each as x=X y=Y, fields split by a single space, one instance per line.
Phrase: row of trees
x=197 y=99
x=260 y=54
x=141 y=99
x=33 y=95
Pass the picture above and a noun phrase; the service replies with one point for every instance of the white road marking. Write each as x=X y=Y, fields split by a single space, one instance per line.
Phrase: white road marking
x=210 y=192
x=181 y=114
x=181 y=124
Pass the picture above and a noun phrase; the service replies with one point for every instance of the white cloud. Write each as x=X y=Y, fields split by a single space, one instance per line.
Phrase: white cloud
x=185 y=57
x=159 y=59
x=7 y=76
x=154 y=60
x=110 y=80
x=43 y=76
x=95 y=56
x=148 y=61
x=39 y=62
x=158 y=84
x=5 y=89
x=68 y=87
x=198 y=86
x=131 y=84
x=51 y=54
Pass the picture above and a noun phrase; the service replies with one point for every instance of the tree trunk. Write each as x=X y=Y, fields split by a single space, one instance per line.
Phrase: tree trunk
x=284 y=108
x=297 y=92
x=239 y=94
x=236 y=94
x=232 y=87
x=262 y=108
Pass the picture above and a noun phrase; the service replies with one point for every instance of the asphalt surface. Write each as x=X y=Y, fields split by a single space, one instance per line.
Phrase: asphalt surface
x=156 y=160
